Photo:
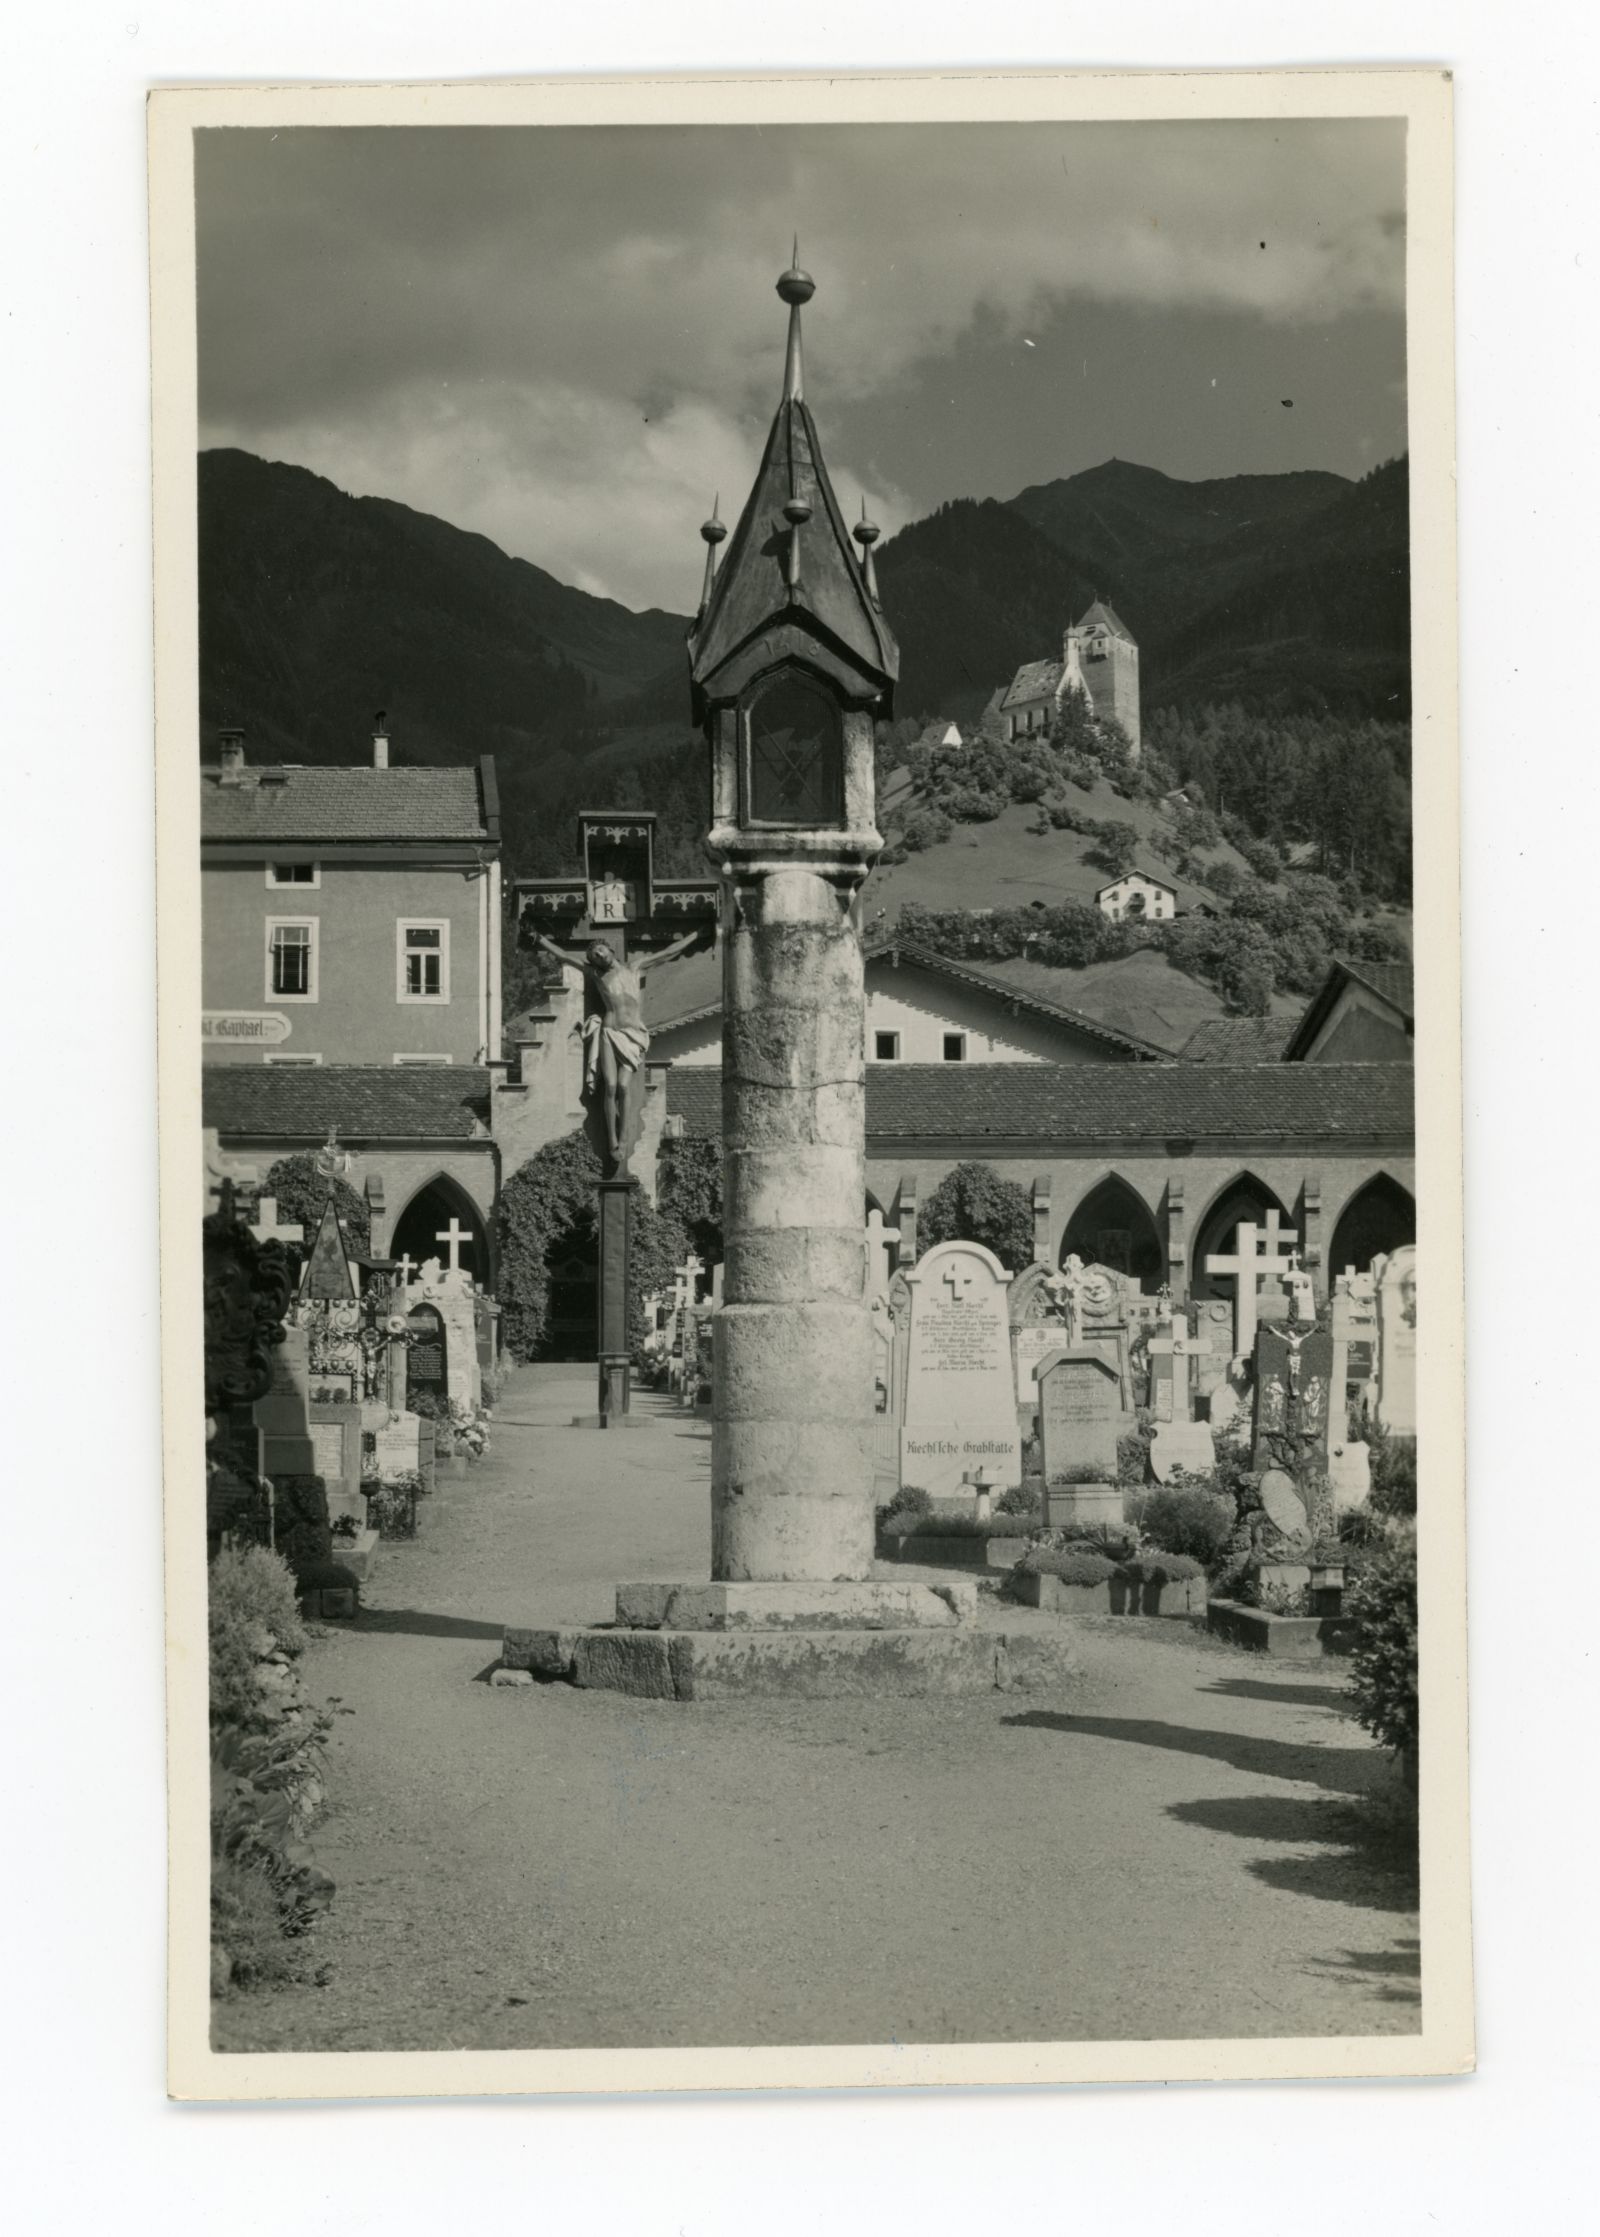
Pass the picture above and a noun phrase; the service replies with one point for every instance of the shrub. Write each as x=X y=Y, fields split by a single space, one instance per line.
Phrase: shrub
x=1113 y=1539
x=266 y=1893
x=1080 y=1472
x=1383 y=1660
x=1074 y=1565
x=251 y=1614
x=1133 y=1451
x=1022 y=1499
x=302 y=1193
x=975 y=1204
x=968 y=1526
x=1394 y=1472
x=910 y=1500
x=926 y=827
x=1198 y=1523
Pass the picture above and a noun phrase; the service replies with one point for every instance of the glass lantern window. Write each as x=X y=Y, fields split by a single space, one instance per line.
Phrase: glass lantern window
x=794 y=765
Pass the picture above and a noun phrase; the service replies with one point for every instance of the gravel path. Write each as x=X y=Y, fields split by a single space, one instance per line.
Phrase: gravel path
x=1167 y=1849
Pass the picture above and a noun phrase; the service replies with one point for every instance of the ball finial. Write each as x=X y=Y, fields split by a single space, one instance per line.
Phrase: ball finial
x=712 y=530
x=796 y=287
x=866 y=532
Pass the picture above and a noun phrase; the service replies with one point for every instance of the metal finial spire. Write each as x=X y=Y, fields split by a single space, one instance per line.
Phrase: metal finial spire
x=866 y=533
x=713 y=532
x=795 y=287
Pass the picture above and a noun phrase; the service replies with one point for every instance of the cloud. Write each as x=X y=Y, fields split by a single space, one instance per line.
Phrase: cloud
x=568 y=337
x=585 y=485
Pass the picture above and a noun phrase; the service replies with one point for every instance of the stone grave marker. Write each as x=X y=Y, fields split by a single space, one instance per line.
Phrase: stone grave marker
x=1100 y=1322
x=1294 y=1382
x=1349 y=1476
x=1258 y=1255
x=1395 y=1281
x=328 y=1273
x=1038 y=1327
x=335 y=1433
x=1214 y=1321
x=1081 y=1418
x=960 y=1401
x=880 y=1243
x=398 y=1443
x=1355 y=1333
x=1180 y=1442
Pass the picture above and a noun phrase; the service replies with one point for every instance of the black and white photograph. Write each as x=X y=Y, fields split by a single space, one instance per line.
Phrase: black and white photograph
x=810 y=1084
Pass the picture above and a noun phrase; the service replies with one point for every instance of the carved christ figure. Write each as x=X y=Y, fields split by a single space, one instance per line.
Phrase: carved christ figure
x=615 y=1036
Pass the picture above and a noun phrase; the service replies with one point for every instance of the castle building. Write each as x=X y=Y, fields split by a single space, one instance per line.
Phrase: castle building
x=1099 y=657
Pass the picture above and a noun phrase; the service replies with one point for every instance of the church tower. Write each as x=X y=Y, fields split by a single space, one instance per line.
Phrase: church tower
x=1099 y=657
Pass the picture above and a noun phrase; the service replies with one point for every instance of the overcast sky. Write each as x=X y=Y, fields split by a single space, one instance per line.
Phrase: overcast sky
x=568 y=339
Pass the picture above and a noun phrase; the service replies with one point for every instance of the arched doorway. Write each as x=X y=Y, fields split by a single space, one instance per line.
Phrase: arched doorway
x=1113 y=1226
x=1382 y=1216
x=441 y=1221
x=1243 y=1199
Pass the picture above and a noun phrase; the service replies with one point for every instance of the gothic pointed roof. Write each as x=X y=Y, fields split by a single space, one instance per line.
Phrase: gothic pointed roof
x=755 y=591
x=1101 y=612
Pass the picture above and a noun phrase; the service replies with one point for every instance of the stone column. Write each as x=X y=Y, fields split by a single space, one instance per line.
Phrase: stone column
x=791 y=1473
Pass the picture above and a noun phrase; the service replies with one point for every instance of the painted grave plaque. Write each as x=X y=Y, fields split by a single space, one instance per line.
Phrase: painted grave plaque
x=425 y=1359
x=1282 y=1504
x=1080 y=1416
x=397 y=1443
x=960 y=1402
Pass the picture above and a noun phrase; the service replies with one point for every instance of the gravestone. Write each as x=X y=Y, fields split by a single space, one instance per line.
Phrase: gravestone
x=1395 y=1282
x=1038 y=1327
x=1355 y=1334
x=1223 y=1403
x=960 y=1406
x=1349 y=1476
x=1180 y=1444
x=335 y=1434
x=1213 y=1321
x=1080 y=1414
x=880 y=1242
x=1259 y=1255
x=427 y=1372
x=328 y=1272
x=453 y=1296
x=1100 y=1323
x=1294 y=1381
x=398 y=1444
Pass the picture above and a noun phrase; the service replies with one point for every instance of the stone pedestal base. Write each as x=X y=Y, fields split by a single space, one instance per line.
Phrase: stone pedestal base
x=796 y=1607
x=816 y=1665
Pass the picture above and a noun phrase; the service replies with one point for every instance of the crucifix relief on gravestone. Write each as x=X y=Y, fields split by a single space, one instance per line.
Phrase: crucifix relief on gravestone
x=1180 y=1444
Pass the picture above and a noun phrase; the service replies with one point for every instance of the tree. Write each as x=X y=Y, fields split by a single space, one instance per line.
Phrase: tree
x=975 y=1204
x=689 y=1190
x=548 y=1205
x=301 y=1193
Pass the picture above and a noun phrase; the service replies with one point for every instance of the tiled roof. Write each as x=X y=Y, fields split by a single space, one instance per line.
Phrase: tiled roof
x=366 y=1102
x=1033 y=680
x=1100 y=611
x=1391 y=982
x=699 y=996
x=279 y=805
x=1238 y=1041
x=1049 y=1103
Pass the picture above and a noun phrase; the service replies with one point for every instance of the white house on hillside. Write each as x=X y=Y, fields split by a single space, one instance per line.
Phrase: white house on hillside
x=1138 y=895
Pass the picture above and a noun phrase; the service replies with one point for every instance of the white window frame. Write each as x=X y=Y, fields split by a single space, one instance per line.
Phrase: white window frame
x=300 y=1058
x=403 y=925
x=944 y=1048
x=313 y=967
x=425 y=1057
x=313 y=884
x=878 y=1056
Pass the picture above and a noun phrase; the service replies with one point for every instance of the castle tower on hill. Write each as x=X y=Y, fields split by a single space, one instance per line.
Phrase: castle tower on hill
x=1098 y=658
x=1098 y=654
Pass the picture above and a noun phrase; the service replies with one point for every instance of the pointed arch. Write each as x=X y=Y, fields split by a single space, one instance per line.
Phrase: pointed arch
x=1245 y=1197
x=1112 y=1225
x=428 y=1212
x=1381 y=1216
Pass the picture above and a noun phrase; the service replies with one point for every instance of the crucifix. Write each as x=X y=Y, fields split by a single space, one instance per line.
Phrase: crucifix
x=452 y=1238
x=1180 y=1347
x=265 y=1228
x=879 y=1238
x=1247 y=1265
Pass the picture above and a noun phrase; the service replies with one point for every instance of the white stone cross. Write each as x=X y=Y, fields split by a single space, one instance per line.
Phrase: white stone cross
x=687 y=1280
x=1178 y=1345
x=409 y=1268
x=1247 y=1265
x=958 y=1279
x=264 y=1227
x=879 y=1238
x=452 y=1238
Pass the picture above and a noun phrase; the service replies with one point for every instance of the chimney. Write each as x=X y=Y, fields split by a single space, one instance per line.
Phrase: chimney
x=230 y=756
x=380 y=741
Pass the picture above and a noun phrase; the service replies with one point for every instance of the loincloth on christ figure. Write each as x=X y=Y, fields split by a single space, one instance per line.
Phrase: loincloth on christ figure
x=629 y=1044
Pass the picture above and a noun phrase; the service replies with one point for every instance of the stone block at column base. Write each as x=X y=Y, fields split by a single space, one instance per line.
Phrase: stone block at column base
x=805 y=1665
x=850 y=1606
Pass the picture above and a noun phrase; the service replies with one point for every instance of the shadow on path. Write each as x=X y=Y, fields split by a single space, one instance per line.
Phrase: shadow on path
x=1394 y=1974
x=421 y=1625
x=1346 y=1867
x=1340 y=1770
x=1302 y=1696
